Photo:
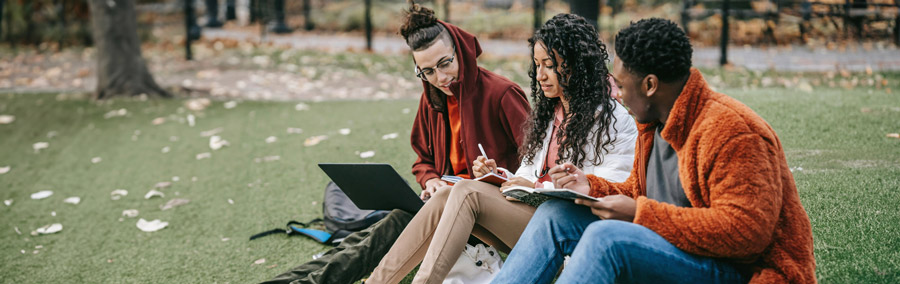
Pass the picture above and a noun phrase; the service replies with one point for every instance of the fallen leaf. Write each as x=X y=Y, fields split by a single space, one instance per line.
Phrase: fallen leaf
x=230 y=201
x=272 y=266
x=52 y=134
x=226 y=239
x=48 y=229
x=389 y=136
x=53 y=213
x=271 y=139
x=4 y=170
x=312 y=141
x=894 y=135
x=158 y=120
x=405 y=110
x=367 y=154
x=211 y=132
x=260 y=261
x=162 y=184
x=17 y=230
x=174 y=203
x=151 y=226
x=117 y=194
x=198 y=104
x=292 y=130
x=805 y=87
x=176 y=178
x=205 y=155
x=7 y=119
x=73 y=200
x=96 y=160
x=40 y=146
x=344 y=131
x=41 y=194
x=116 y=113
x=165 y=149
x=191 y=120
x=130 y=213
x=153 y=193
x=230 y=104
x=301 y=107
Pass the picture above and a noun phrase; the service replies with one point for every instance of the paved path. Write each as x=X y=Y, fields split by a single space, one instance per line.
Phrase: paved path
x=795 y=58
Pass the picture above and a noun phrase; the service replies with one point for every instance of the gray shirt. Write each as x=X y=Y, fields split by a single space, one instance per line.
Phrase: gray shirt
x=663 y=184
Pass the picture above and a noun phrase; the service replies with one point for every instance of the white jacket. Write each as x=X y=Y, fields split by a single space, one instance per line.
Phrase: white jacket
x=615 y=165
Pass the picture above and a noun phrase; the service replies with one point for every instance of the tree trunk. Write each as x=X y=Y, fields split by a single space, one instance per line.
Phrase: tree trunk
x=121 y=71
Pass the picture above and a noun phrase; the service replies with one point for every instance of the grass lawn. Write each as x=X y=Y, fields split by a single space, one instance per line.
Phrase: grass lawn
x=848 y=182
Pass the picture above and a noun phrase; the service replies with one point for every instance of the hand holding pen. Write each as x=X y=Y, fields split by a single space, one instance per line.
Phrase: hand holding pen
x=482 y=165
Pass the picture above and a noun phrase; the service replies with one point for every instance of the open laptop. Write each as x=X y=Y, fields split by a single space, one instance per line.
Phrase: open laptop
x=373 y=186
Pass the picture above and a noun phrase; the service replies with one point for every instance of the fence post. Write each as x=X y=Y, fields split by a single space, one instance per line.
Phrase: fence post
x=190 y=28
x=280 y=26
x=307 y=21
x=447 y=11
x=368 y=20
x=897 y=27
x=230 y=10
x=686 y=17
x=538 y=14
x=723 y=42
x=61 y=16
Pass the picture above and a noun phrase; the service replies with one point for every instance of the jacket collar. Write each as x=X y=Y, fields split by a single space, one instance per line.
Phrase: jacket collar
x=686 y=110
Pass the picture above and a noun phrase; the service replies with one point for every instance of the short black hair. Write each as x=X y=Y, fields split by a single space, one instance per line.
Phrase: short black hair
x=655 y=46
x=421 y=28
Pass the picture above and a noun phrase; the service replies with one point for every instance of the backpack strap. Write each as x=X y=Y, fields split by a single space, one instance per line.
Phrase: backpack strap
x=291 y=230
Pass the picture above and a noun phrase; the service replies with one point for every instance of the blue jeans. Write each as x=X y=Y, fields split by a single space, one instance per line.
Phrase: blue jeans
x=612 y=252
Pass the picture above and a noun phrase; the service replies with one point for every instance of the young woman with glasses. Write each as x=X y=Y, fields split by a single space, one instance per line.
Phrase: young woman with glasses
x=575 y=119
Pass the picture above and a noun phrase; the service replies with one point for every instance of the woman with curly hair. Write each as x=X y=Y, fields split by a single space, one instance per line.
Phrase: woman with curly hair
x=575 y=120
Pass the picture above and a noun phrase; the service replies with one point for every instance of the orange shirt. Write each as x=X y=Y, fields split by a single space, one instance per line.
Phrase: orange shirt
x=457 y=153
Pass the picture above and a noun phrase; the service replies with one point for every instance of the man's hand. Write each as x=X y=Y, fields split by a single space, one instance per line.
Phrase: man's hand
x=570 y=177
x=613 y=207
x=431 y=186
x=482 y=166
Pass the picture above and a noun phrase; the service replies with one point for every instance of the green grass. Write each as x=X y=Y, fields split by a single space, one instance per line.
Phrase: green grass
x=848 y=182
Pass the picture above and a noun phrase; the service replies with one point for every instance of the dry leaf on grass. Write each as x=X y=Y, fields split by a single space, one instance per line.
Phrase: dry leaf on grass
x=271 y=139
x=152 y=193
x=344 y=131
x=230 y=201
x=7 y=119
x=211 y=132
x=191 y=120
x=367 y=154
x=73 y=200
x=48 y=229
x=197 y=104
x=151 y=226
x=4 y=170
x=40 y=146
x=165 y=149
x=174 y=203
x=162 y=184
x=158 y=120
x=130 y=213
x=259 y=261
x=116 y=113
x=312 y=141
x=95 y=160
x=8 y=202
x=41 y=194
x=292 y=130
x=117 y=194
x=301 y=107
x=205 y=155
x=230 y=104
x=389 y=136
x=893 y=135
x=405 y=110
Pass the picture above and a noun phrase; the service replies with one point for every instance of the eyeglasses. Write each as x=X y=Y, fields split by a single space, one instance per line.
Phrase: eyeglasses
x=428 y=73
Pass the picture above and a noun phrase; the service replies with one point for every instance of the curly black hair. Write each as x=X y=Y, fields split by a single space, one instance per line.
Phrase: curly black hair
x=655 y=46
x=585 y=86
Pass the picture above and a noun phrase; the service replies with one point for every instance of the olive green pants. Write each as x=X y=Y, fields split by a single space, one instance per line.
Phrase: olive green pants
x=354 y=258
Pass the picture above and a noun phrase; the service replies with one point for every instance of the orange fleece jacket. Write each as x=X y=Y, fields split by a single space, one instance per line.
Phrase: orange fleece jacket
x=745 y=206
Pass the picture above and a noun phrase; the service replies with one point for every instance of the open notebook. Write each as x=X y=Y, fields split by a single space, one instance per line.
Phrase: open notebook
x=520 y=192
x=492 y=178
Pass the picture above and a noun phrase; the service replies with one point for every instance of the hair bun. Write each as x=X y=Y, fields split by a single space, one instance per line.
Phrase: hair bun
x=417 y=17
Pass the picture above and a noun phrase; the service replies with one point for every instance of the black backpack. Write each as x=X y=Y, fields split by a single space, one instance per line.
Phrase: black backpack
x=341 y=218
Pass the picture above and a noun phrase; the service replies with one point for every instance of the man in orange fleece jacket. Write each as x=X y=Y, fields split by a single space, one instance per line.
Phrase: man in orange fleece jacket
x=710 y=198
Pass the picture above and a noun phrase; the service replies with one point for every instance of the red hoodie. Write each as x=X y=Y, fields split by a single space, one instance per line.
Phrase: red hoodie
x=492 y=109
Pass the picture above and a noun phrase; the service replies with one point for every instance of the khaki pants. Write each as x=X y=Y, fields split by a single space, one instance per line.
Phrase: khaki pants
x=437 y=235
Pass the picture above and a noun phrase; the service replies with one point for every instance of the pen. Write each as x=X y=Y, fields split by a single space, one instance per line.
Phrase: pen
x=482 y=151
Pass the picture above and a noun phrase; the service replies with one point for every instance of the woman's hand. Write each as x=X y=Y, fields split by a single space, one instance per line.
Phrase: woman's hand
x=431 y=186
x=570 y=177
x=615 y=207
x=515 y=181
x=482 y=166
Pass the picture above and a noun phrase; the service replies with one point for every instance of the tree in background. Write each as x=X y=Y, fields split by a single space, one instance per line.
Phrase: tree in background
x=121 y=70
